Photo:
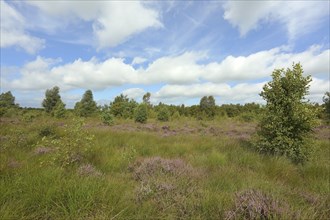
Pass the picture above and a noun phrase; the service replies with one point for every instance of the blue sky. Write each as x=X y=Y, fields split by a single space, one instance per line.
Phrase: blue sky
x=178 y=51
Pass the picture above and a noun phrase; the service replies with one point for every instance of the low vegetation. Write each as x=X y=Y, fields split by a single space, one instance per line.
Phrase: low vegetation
x=63 y=169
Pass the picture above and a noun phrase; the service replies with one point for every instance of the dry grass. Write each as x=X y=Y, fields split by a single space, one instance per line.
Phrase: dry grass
x=254 y=204
x=88 y=170
x=169 y=184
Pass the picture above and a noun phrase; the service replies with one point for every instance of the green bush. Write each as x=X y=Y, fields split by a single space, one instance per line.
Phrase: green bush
x=106 y=116
x=247 y=117
x=52 y=97
x=163 y=114
x=326 y=100
x=87 y=106
x=141 y=113
x=47 y=131
x=74 y=146
x=59 y=110
x=288 y=119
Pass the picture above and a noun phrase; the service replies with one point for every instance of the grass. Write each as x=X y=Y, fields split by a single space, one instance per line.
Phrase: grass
x=222 y=168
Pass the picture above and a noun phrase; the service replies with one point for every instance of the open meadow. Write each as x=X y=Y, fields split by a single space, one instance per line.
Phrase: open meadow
x=181 y=169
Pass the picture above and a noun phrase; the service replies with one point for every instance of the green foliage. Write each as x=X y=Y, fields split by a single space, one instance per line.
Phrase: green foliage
x=59 y=110
x=123 y=107
x=7 y=104
x=288 y=120
x=163 y=114
x=74 y=146
x=232 y=110
x=29 y=116
x=87 y=106
x=207 y=106
x=176 y=115
x=47 y=131
x=7 y=100
x=2 y=111
x=52 y=97
x=247 y=117
x=326 y=100
x=146 y=98
x=141 y=113
x=106 y=115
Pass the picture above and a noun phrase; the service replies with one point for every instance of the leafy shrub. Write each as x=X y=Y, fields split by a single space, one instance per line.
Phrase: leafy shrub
x=52 y=97
x=47 y=131
x=141 y=113
x=247 y=117
x=326 y=100
x=59 y=110
x=288 y=119
x=29 y=116
x=73 y=147
x=207 y=106
x=123 y=107
x=87 y=106
x=163 y=114
x=106 y=116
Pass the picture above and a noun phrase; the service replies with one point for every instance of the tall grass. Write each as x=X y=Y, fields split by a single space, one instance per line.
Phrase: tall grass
x=31 y=188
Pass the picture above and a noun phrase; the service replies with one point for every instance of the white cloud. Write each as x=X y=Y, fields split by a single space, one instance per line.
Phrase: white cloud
x=134 y=93
x=299 y=17
x=113 y=22
x=261 y=64
x=237 y=93
x=180 y=69
x=42 y=74
x=176 y=73
x=138 y=60
x=35 y=75
x=319 y=86
x=13 y=33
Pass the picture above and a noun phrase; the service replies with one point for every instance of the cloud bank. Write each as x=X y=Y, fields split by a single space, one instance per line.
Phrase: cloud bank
x=236 y=78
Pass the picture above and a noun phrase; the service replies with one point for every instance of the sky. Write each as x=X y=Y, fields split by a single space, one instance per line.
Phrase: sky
x=179 y=51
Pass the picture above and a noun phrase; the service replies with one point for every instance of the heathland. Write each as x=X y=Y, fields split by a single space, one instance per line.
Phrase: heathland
x=183 y=168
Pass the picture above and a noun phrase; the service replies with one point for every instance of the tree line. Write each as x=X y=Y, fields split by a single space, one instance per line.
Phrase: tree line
x=126 y=108
x=284 y=128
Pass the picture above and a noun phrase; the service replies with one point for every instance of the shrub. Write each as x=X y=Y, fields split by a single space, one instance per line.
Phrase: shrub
x=87 y=106
x=47 y=131
x=288 y=119
x=326 y=100
x=123 y=107
x=141 y=113
x=59 y=110
x=163 y=114
x=29 y=116
x=106 y=116
x=247 y=117
x=71 y=148
x=207 y=106
x=52 y=97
